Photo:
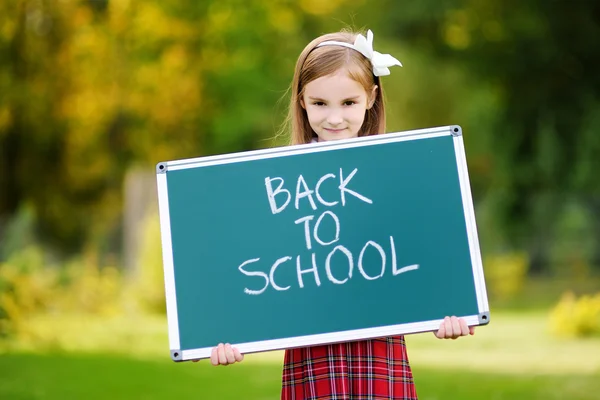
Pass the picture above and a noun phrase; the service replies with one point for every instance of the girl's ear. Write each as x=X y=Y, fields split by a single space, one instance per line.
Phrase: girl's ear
x=302 y=103
x=372 y=96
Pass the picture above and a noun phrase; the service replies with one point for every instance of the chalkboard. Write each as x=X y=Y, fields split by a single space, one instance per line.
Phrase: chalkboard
x=319 y=243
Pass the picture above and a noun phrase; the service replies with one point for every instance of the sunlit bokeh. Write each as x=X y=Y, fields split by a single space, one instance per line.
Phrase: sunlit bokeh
x=94 y=93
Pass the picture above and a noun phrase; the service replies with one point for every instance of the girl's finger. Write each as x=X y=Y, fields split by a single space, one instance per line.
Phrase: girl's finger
x=214 y=357
x=441 y=333
x=229 y=354
x=464 y=328
x=221 y=352
x=456 y=331
x=445 y=329
x=448 y=327
x=238 y=356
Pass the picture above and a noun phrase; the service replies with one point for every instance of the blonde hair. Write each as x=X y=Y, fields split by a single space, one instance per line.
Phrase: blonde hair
x=315 y=62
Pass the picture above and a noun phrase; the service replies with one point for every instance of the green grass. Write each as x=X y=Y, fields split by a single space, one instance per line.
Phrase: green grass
x=87 y=376
x=27 y=376
x=512 y=343
x=126 y=357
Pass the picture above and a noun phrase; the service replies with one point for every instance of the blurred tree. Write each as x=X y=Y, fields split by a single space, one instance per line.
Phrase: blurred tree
x=89 y=89
x=542 y=57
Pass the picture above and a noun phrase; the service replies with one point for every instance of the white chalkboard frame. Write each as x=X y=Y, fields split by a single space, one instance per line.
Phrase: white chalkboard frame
x=178 y=354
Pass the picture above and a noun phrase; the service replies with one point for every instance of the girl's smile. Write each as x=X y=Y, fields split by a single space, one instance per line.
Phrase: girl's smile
x=332 y=130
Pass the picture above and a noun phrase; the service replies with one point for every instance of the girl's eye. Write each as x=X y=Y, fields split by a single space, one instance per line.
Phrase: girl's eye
x=349 y=103
x=319 y=103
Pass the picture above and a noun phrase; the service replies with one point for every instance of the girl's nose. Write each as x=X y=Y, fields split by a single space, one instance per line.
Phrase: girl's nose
x=334 y=118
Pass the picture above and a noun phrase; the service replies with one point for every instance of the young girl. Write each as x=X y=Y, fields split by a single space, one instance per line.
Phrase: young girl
x=337 y=94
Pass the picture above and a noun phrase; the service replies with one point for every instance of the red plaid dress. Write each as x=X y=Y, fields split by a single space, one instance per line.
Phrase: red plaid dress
x=361 y=370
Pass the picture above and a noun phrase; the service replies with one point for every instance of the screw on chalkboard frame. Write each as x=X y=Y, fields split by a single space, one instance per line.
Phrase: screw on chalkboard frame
x=484 y=318
x=456 y=130
x=161 y=168
x=176 y=355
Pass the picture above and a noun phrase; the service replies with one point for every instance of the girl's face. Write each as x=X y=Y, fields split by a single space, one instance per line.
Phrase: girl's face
x=336 y=106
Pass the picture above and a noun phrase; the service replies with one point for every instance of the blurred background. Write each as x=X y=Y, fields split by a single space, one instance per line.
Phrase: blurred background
x=93 y=93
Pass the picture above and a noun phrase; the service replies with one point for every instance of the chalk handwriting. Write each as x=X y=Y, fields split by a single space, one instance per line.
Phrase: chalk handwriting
x=310 y=271
x=313 y=270
x=303 y=191
x=309 y=218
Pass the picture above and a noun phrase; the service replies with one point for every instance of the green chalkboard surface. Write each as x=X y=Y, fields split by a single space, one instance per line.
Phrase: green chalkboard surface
x=319 y=243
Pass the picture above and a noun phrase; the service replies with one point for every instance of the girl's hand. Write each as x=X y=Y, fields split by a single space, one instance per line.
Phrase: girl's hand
x=225 y=354
x=453 y=328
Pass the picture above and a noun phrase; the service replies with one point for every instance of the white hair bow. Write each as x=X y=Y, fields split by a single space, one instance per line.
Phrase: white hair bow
x=380 y=62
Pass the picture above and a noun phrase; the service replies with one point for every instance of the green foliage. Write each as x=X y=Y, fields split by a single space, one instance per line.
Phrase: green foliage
x=24 y=289
x=147 y=287
x=573 y=241
x=91 y=88
x=29 y=286
x=540 y=57
x=89 y=289
x=576 y=317
x=19 y=232
x=505 y=275
x=96 y=89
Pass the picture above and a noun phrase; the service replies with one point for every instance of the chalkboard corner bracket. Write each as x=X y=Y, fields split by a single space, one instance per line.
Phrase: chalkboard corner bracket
x=161 y=168
x=176 y=355
x=484 y=318
x=456 y=130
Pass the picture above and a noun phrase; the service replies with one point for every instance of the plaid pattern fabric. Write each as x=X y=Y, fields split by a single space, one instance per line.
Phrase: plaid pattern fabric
x=367 y=369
